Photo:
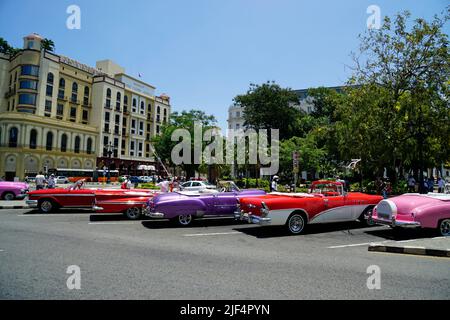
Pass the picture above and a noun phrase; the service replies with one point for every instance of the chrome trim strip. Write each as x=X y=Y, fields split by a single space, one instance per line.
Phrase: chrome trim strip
x=61 y=194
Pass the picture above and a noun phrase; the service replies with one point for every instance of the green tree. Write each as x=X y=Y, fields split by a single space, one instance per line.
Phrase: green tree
x=268 y=106
x=5 y=48
x=48 y=45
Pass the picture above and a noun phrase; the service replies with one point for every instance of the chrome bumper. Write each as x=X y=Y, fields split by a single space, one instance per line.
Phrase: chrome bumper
x=395 y=223
x=148 y=213
x=32 y=203
x=250 y=218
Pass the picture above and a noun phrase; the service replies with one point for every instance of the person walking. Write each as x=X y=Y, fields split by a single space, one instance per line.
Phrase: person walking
x=40 y=181
x=274 y=184
x=441 y=185
x=431 y=184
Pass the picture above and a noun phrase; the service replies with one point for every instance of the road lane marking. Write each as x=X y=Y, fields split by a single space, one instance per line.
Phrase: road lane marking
x=123 y=222
x=54 y=215
x=355 y=244
x=209 y=234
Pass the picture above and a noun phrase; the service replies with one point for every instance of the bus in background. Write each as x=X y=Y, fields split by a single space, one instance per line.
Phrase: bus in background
x=88 y=174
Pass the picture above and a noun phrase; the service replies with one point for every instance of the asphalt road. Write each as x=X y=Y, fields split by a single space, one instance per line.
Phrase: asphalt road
x=213 y=259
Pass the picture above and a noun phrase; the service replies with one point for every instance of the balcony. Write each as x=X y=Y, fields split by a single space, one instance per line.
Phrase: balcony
x=108 y=106
x=74 y=101
x=86 y=104
x=62 y=98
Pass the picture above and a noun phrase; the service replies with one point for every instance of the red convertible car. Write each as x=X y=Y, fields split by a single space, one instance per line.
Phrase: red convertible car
x=127 y=201
x=327 y=202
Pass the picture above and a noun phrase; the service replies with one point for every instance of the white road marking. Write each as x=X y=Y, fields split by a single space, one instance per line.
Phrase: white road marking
x=356 y=244
x=2 y=250
x=209 y=234
x=123 y=222
x=54 y=215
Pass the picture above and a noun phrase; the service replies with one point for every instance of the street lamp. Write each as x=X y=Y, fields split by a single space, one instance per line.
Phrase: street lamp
x=109 y=151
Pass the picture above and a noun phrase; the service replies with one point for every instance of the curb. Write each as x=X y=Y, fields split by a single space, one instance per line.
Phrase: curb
x=422 y=251
x=15 y=207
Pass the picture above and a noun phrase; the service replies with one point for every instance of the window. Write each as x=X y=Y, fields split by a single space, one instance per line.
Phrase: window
x=149 y=108
x=158 y=110
x=73 y=112
x=28 y=84
x=86 y=96
x=33 y=139
x=89 y=146
x=74 y=92
x=238 y=114
x=27 y=98
x=141 y=128
x=30 y=70
x=117 y=120
x=140 y=146
x=116 y=147
x=13 y=137
x=133 y=126
x=125 y=100
x=77 y=144
x=64 y=143
x=118 y=99
x=107 y=116
x=122 y=151
x=105 y=146
x=108 y=98
x=49 y=89
x=131 y=148
x=59 y=110
x=48 y=107
x=49 y=143
x=85 y=117
x=142 y=107
x=124 y=122
x=157 y=129
x=62 y=88
x=134 y=107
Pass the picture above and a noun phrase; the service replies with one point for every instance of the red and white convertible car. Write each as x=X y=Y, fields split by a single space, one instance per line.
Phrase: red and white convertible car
x=327 y=202
x=127 y=201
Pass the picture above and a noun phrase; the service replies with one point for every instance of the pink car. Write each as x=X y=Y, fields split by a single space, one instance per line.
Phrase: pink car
x=13 y=190
x=415 y=210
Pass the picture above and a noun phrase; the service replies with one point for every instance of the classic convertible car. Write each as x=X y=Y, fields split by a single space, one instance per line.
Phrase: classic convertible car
x=13 y=190
x=182 y=207
x=413 y=210
x=127 y=201
x=327 y=202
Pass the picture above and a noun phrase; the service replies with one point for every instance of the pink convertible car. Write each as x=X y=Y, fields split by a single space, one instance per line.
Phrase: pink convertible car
x=415 y=210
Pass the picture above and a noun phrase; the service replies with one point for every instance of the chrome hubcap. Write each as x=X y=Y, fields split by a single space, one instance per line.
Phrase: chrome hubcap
x=133 y=213
x=185 y=219
x=296 y=224
x=46 y=206
x=445 y=227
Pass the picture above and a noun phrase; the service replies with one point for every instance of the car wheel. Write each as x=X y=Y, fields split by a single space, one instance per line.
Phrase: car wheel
x=184 y=220
x=444 y=227
x=296 y=223
x=366 y=222
x=46 y=206
x=8 y=196
x=133 y=213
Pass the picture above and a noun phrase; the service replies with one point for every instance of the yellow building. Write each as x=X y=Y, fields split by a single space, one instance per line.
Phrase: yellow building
x=58 y=113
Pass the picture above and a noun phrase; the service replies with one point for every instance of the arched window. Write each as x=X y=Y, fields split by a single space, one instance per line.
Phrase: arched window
x=62 y=88
x=49 y=143
x=74 y=92
x=50 y=78
x=13 y=137
x=118 y=98
x=108 y=93
x=89 y=146
x=33 y=139
x=158 y=110
x=134 y=102
x=125 y=100
x=77 y=145
x=86 y=91
x=165 y=112
x=64 y=143
x=86 y=96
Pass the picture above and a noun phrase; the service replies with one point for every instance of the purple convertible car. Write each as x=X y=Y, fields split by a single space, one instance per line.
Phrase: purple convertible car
x=182 y=207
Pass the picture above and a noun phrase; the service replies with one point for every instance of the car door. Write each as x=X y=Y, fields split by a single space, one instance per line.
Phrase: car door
x=225 y=203
x=195 y=186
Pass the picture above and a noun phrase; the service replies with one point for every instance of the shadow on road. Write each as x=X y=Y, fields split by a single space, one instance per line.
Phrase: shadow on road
x=197 y=223
x=107 y=217
x=402 y=234
x=60 y=211
x=281 y=231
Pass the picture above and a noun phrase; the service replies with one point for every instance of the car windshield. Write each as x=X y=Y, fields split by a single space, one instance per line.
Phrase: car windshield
x=327 y=189
x=78 y=185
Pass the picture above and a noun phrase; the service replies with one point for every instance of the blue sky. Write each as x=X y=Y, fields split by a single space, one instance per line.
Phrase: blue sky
x=202 y=53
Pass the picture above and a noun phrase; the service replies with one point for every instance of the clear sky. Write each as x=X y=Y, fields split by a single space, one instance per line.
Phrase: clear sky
x=202 y=53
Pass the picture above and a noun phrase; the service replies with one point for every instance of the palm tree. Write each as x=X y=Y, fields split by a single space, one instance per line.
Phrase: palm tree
x=48 y=45
x=5 y=48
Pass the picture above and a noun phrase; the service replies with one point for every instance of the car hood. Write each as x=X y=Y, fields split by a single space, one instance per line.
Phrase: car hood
x=14 y=184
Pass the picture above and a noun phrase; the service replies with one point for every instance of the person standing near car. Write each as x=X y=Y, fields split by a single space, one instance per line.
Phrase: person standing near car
x=274 y=184
x=40 y=181
x=441 y=185
x=411 y=184
x=51 y=182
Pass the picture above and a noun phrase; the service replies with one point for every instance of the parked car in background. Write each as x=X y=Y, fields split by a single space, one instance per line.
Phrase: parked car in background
x=183 y=206
x=193 y=185
x=30 y=179
x=326 y=202
x=145 y=179
x=13 y=190
x=62 y=180
x=100 y=200
x=413 y=210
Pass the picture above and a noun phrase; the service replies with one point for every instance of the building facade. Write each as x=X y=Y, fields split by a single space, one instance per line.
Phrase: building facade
x=56 y=112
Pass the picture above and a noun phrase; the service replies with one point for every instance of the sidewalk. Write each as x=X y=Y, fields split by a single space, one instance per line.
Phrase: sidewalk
x=15 y=204
x=439 y=247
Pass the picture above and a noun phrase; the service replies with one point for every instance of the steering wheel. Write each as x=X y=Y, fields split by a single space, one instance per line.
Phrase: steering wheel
x=223 y=189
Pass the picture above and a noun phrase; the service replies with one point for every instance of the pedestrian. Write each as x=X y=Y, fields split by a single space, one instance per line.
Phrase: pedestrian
x=274 y=184
x=411 y=184
x=40 y=181
x=441 y=185
x=431 y=184
x=387 y=189
x=51 y=182
x=163 y=185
